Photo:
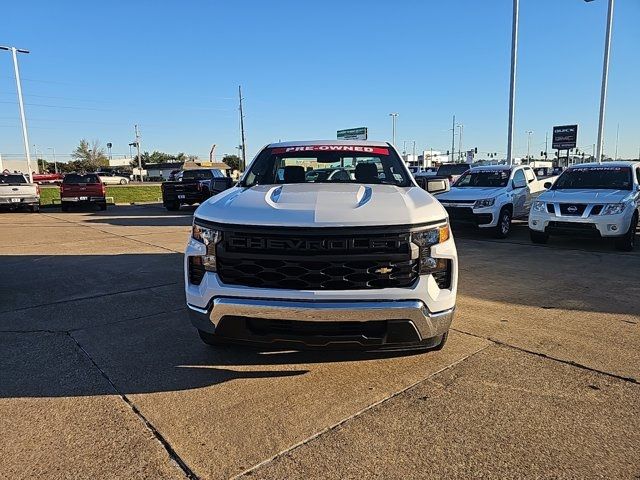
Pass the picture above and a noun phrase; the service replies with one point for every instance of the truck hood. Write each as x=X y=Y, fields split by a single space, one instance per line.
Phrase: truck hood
x=585 y=196
x=321 y=204
x=471 y=193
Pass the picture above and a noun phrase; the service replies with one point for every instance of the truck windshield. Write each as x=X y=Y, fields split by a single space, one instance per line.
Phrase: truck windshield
x=601 y=178
x=189 y=175
x=452 y=169
x=81 y=178
x=327 y=164
x=484 y=178
x=12 y=179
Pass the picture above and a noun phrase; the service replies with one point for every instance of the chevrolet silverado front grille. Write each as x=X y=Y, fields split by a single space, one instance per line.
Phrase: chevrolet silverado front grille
x=333 y=261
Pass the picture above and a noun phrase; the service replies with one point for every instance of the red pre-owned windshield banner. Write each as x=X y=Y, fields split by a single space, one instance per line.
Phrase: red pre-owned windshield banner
x=331 y=148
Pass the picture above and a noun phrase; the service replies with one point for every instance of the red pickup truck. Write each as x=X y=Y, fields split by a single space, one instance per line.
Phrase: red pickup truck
x=85 y=188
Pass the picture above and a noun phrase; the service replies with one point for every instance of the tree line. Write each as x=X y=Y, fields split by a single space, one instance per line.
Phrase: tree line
x=91 y=157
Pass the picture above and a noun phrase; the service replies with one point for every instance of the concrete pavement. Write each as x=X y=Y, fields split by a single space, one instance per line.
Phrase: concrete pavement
x=102 y=375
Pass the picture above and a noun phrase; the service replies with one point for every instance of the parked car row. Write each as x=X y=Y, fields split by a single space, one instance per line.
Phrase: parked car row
x=595 y=200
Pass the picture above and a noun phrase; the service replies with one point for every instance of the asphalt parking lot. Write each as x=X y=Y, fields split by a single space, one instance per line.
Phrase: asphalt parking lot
x=102 y=375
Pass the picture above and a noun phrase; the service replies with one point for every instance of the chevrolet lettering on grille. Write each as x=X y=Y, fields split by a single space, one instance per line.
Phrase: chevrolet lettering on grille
x=315 y=244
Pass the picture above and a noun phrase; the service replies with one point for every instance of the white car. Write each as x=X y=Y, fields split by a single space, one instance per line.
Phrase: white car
x=591 y=199
x=110 y=178
x=489 y=197
x=289 y=258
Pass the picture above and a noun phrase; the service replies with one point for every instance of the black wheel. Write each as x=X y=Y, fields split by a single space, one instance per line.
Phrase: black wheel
x=123 y=181
x=65 y=208
x=627 y=242
x=172 y=207
x=209 y=338
x=102 y=206
x=440 y=346
x=538 y=237
x=34 y=208
x=504 y=224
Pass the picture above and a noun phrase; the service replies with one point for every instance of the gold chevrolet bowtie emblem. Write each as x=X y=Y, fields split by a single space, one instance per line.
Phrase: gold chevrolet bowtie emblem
x=384 y=270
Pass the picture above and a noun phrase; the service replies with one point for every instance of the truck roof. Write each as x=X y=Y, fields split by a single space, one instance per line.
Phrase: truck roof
x=493 y=167
x=306 y=143
x=618 y=163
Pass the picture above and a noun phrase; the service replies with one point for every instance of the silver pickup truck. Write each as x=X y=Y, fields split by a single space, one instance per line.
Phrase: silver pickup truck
x=16 y=192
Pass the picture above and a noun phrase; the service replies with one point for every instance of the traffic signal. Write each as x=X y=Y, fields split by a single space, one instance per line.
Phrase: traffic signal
x=475 y=150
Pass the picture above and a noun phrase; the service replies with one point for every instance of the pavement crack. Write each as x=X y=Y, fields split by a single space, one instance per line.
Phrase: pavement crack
x=190 y=474
x=90 y=297
x=330 y=428
x=549 y=357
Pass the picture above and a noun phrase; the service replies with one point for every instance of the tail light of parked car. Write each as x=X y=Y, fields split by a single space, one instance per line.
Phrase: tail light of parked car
x=103 y=189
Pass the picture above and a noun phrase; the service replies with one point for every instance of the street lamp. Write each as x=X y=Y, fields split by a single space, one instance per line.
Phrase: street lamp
x=605 y=78
x=529 y=133
x=14 y=52
x=512 y=83
x=393 y=126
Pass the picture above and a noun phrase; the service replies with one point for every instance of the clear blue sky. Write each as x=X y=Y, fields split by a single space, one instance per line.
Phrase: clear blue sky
x=309 y=68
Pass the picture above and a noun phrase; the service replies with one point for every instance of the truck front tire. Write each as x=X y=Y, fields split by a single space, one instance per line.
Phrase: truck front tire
x=627 y=242
x=503 y=228
x=538 y=237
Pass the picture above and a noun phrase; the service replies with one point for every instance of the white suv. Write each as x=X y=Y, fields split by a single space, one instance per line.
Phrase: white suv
x=592 y=199
x=363 y=260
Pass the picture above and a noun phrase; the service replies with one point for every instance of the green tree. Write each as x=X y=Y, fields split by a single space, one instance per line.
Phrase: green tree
x=88 y=156
x=233 y=161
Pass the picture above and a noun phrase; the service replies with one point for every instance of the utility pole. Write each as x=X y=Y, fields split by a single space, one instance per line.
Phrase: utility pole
x=14 y=52
x=453 y=139
x=615 y=157
x=244 y=146
x=461 y=127
x=55 y=165
x=393 y=127
x=414 y=150
x=546 y=144
x=138 y=149
x=529 y=133
x=512 y=83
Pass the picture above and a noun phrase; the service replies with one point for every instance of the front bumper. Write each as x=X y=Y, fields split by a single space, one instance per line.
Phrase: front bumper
x=365 y=324
x=588 y=226
x=467 y=215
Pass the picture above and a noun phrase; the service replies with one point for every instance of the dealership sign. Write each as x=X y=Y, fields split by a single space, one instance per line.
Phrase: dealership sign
x=353 y=134
x=565 y=137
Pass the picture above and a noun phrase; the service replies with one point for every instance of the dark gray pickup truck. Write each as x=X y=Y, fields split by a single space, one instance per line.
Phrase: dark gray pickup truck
x=194 y=186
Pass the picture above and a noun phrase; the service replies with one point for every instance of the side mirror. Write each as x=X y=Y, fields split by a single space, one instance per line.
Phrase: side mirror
x=437 y=186
x=547 y=185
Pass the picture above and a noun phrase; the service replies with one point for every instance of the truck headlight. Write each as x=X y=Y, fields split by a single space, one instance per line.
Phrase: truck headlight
x=613 y=208
x=538 y=206
x=425 y=239
x=485 y=202
x=209 y=237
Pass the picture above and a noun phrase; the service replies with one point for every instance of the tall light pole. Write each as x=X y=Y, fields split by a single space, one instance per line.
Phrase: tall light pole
x=55 y=165
x=512 y=84
x=461 y=127
x=453 y=139
x=14 y=52
x=615 y=156
x=529 y=133
x=393 y=127
x=138 y=149
x=605 y=79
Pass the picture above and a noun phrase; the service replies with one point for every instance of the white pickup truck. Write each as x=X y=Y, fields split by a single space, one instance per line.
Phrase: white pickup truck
x=288 y=258
x=16 y=192
x=489 y=197
x=599 y=200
